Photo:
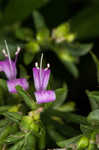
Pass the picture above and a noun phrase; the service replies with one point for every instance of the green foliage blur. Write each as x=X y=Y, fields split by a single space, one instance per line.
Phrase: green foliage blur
x=65 y=32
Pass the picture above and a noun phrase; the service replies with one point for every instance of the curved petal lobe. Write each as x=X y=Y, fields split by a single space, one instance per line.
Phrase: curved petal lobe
x=36 y=77
x=13 y=83
x=45 y=78
x=45 y=96
x=9 y=70
x=41 y=80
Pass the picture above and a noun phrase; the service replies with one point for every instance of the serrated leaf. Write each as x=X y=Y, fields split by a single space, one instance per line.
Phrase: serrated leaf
x=60 y=96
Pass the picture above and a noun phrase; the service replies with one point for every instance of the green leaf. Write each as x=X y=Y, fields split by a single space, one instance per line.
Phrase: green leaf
x=30 y=142
x=42 y=140
x=96 y=61
x=28 y=57
x=6 y=131
x=26 y=97
x=15 y=137
x=43 y=34
x=39 y=21
x=74 y=49
x=68 y=117
x=4 y=109
x=54 y=134
x=24 y=34
x=32 y=47
x=68 y=107
x=79 y=49
x=60 y=96
x=94 y=99
x=18 y=10
x=23 y=72
x=63 y=52
x=69 y=142
x=86 y=130
x=82 y=143
x=65 y=129
x=3 y=84
x=17 y=146
x=13 y=116
x=93 y=117
x=3 y=122
x=92 y=144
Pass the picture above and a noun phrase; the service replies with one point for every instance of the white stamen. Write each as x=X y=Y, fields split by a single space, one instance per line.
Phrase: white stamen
x=9 y=56
x=41 y=67
x=18 y=51
x=48 y=65
x=4 y=53
x=36 y=65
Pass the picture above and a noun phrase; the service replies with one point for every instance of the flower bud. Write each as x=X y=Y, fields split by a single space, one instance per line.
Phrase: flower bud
x=28 y=124
x=43 y=36
x=14 y=108
x=32 y=47
x=62 y=33
x=83 y=143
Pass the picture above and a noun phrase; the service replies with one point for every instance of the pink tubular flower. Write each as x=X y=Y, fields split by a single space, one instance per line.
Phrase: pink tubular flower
x=8 y=66
x=41 y=79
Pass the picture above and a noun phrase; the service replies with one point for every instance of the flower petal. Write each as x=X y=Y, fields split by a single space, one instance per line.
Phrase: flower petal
x=13 y=83
x=45 y=78
x=9 y=70
x=45 y=96
x=41 y=82
x=36 y=77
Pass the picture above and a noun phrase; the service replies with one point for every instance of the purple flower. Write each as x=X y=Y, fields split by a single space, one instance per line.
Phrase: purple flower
x=8 y=66
x=41 y=79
